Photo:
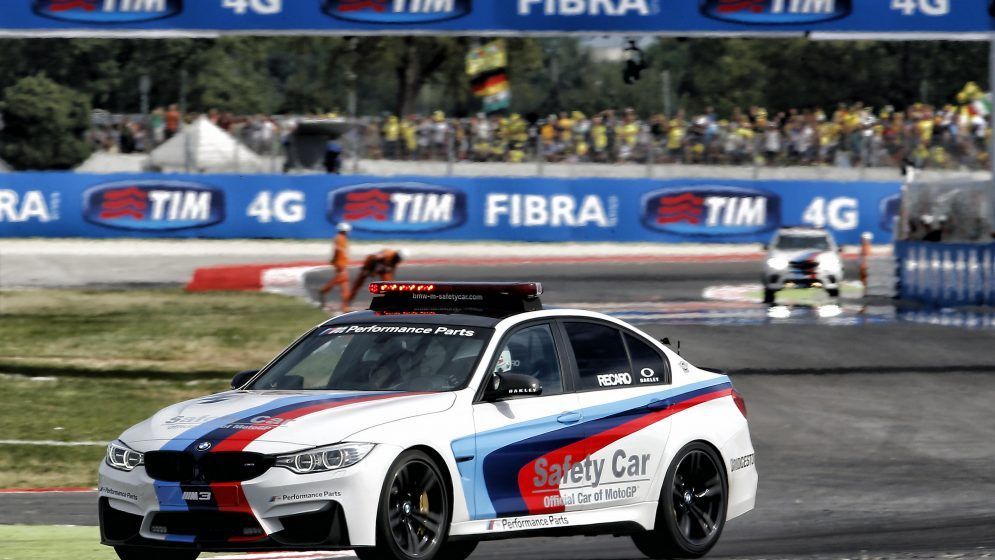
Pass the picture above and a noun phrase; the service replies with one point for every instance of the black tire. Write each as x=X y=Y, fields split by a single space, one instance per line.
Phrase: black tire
x=138 y=553
x=833 y=293
x=414 y=513
x=692 y=510
x=769 y=295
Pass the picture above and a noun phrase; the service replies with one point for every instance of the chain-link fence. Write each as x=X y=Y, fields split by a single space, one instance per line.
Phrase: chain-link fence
x=577 y=141
x=948 y=211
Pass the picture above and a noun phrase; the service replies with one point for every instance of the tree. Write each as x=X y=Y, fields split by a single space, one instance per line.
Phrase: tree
x=45 y=124
x=233 y=75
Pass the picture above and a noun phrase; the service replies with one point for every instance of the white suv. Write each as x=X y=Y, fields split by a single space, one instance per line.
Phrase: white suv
x=802 y=258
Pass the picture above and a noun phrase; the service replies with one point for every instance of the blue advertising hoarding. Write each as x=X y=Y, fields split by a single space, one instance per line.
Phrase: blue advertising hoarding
x=507 y=17
x=946 y=274
x=437 y=208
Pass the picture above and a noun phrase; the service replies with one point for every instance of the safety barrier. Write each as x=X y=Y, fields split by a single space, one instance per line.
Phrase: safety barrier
x=946 y=274
x=438 y=208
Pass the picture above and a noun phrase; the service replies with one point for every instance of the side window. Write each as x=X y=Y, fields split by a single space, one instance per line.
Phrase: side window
x=531 y=351
x=601 y=357
x=647 y=364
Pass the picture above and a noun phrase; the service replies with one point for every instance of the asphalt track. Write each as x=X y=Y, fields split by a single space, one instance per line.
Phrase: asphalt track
x=875 y=439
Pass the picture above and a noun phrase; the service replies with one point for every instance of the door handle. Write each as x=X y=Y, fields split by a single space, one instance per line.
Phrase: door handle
x=569 y=418
x=658 y=404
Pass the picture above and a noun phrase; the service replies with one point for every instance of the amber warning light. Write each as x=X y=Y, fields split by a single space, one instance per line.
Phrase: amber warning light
x=520 y=289
x=491 y=298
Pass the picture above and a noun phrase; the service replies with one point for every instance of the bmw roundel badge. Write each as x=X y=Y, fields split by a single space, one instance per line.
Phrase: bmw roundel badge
x=203 y=446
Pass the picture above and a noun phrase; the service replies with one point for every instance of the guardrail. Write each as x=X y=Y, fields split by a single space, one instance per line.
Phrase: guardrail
x=946 y=274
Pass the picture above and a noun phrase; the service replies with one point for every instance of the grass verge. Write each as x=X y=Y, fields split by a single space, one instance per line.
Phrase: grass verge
x=145 y=332
x=22 y=542
x=52 y=543
x=76 y=409
x=90 y=364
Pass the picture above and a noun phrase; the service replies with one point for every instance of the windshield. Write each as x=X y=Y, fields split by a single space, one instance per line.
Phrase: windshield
x=381 y=357
x=802 y=242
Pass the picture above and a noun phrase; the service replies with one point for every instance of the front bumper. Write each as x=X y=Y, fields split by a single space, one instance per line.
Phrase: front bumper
x=781 y=279
x=277 y=510
x=220 y=532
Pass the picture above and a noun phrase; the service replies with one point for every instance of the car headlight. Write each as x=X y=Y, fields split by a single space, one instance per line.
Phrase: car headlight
x=123 y=458
x=777 y=263
x=323 y=459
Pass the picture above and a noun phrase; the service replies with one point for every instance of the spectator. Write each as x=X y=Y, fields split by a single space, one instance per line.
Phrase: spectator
x=157 y=124
x=173 y=118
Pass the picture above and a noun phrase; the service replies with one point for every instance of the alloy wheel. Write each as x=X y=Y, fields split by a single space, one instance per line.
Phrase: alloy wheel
x=697 y=497
x=417 y=509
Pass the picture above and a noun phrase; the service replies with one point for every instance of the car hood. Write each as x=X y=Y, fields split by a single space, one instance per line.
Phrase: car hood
x=235 y=419
x=800 y=256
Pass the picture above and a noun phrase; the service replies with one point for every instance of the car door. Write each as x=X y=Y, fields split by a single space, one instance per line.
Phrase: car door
x=622 y=383
x=520 y=441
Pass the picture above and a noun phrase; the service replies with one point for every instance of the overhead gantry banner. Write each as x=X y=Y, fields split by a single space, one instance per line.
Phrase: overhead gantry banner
x=909 y=18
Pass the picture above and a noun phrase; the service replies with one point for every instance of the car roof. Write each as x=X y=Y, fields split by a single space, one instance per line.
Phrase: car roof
x=446 y=319
x=814 y=232
x=465 y=319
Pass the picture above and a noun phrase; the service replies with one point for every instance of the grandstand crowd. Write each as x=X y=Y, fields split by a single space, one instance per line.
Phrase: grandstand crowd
x=850 y=135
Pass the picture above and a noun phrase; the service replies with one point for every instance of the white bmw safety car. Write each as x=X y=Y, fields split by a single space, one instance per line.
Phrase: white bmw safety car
x=445 y=415
x=802 y=257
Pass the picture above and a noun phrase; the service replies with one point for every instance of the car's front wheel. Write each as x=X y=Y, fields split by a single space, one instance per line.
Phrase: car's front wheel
x=136 y=553
x=692 y=508
x=414 y=513
x=833 y=292
x=769 y=295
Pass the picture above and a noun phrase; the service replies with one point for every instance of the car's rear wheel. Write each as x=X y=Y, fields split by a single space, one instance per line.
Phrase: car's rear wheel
x=833 y=292
x=137 y=553
x=414 y=513
x=769 y=295
x=692 y=510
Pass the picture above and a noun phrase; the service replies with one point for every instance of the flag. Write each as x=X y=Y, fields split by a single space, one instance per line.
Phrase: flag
x=487 y=58
x=983 y=105
x=497 y=102
x=487 y=67
x=491 y=85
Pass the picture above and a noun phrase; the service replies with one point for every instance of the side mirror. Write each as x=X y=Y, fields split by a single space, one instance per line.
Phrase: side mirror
x=243 y=377
x=505 y=385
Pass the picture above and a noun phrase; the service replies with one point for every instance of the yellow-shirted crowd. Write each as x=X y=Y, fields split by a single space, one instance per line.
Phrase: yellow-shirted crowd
x=850 y=135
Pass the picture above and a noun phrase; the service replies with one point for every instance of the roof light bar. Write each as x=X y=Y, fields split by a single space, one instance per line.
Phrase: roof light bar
x=491 y=298
x=520 y=289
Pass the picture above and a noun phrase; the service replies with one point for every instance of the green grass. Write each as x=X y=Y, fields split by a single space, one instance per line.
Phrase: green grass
x=21 y=542
x=146 y=332
x=76 y=409
x=52 y=543
x=102 y=361
x=811 y=296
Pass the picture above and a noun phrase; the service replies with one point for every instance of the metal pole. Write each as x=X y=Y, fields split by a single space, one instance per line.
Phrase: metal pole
x=539 y=150
x=991 y=113
x=450 y=150
x=352 y=101
x=667 y=101
x=183 y=126
x=991 y=125
x=236 y=154
x=144 y=87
